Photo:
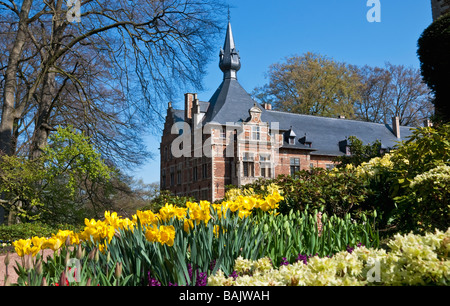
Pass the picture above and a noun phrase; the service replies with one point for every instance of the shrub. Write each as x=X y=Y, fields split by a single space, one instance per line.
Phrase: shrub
x=165 y=197
x=332 y=192
x=410 y=185
x=28 y=230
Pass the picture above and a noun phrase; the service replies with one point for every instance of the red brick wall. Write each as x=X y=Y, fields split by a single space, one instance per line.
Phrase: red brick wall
x=321 y=161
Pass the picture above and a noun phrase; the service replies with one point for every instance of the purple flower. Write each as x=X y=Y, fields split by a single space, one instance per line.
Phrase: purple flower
x=153 y=282
x=202 y=279
x=234 y=275
x=303 y=258
x=190 y=270
x=284 y=262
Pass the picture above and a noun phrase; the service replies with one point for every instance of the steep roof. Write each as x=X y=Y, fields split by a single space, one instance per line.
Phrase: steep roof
x=231 y=103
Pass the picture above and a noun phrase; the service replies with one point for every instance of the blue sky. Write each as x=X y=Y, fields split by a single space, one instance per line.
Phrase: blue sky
x=267 y=31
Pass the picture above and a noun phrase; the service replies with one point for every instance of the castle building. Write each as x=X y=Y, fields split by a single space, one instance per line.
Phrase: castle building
x=439 y=8
x=233 y=140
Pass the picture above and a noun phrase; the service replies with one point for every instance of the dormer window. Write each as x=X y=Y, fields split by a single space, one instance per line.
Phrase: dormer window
x=291 y=136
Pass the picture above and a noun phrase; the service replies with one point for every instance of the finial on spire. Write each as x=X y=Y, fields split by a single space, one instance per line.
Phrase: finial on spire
x=229 y=16
x=230 y=61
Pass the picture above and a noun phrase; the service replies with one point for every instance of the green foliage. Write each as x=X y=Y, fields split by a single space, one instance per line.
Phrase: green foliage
x=19 y=186
x=331 y=192
x=69 y=157
x=57 y=186
x=304 y=233
x=28 y=230
x=421 y=186
x=359 y=152
x=433 y=51
x=165 y=196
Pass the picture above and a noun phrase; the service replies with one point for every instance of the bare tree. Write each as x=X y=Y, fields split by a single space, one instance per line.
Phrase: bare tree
x=110 y=74
x=394 y=90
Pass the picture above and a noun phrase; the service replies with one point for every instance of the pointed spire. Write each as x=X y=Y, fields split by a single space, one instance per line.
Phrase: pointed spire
x=230 y=61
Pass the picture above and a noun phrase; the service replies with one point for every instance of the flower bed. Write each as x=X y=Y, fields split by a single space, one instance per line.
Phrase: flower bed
x=240 y=241
x=413 y=260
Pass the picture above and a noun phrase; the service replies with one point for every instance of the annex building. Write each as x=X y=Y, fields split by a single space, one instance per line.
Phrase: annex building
x=231 y=139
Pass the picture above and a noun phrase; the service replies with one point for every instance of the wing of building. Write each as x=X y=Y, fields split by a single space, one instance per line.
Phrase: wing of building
x=231 y=139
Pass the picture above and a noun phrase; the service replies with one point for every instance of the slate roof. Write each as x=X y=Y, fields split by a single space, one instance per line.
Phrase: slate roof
x=231 y=103
x=328 y=135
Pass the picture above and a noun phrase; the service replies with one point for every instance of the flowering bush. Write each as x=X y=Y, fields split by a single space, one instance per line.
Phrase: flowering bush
x=411 y=184
x=411 y=260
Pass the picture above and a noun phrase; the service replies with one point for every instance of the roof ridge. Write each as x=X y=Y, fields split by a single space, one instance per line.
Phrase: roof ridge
x=332 y=118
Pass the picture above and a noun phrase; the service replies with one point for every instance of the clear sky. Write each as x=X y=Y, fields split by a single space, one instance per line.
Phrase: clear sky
x=267 y=31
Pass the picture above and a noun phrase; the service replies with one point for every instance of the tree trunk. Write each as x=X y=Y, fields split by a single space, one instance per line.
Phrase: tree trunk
x=8 y=110
x=42 y=127
x=8 y=107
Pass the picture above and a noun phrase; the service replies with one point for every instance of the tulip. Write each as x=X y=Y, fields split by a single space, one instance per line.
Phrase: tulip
x=92 y=254
x=62 y=279
x=118 y=271
x=7 y=259
x=79 y=254
x=38 y=267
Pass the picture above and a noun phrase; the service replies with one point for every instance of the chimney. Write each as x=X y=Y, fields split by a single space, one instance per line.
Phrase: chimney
x=267 y=106
x=188 y=104
x=396 y=126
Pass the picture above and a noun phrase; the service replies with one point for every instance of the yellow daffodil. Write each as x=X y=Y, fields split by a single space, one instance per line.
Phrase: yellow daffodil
x=166 y=235
x=188 y=225
x=152 y=233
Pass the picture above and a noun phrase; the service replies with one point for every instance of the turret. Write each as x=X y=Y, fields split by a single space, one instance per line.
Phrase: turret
x=230 y=61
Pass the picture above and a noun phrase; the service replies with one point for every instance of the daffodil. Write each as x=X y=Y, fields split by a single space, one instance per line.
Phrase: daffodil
x=188 y=225
x=152 y=233
x=166 y=235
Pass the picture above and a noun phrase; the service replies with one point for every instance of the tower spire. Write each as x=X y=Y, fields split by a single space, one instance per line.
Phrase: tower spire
x=230 y=61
